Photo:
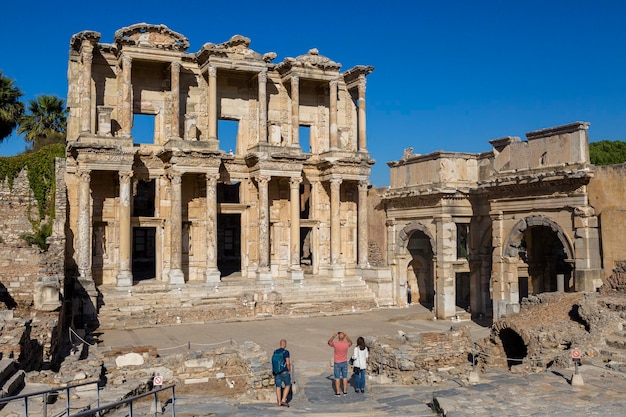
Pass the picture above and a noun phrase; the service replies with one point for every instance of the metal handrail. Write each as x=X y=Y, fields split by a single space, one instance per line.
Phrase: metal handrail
x=96 y=411
x=45 y=394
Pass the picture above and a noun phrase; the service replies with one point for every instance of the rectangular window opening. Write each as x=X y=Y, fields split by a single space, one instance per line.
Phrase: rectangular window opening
x=304 y=136
x=227 y=133
x=462 y=247
x=144 y=127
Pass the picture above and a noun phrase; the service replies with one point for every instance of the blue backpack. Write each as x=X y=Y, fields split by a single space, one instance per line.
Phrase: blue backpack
x=279 y=365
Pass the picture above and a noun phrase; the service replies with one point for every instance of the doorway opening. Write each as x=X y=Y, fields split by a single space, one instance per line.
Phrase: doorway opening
x=462 y=290
x=144 y=254
x=420 y=276
x=229 y=243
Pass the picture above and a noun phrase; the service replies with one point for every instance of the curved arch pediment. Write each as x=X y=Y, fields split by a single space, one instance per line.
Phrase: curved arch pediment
x=517 y=232
x=408 y=230
x=151 y=36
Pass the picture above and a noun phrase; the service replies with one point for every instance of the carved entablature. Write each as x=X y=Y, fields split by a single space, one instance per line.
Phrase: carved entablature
x=355 y=75
x=413 y=202
x=144 y=35
x=282 y=167
x=192 y=161
x=85 y=35
x=237 y=48
x=110 y=159
x=538 y=186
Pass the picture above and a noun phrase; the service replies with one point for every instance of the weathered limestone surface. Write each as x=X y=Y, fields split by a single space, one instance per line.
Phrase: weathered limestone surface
x=606 y=195
x=425 y=358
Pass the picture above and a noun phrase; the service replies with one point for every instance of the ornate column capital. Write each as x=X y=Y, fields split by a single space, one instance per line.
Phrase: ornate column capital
x=263 y=179
x=335 y=182
x=125 y=176
x=363 y=185
x=212 y=71
x=212 y=179
x=84 y=174
x=263 y=76
x=294 y=182
x=126 y=60
x=175 y=177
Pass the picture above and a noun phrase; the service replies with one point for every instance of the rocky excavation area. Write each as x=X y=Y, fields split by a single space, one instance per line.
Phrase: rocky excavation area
x=541 y=336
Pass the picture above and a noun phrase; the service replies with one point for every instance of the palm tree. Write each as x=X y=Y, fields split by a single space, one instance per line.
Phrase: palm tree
x=11 y=108
x=46 y=122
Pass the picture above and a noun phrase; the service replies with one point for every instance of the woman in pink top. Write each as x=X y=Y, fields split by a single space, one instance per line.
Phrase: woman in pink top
x=340 y=368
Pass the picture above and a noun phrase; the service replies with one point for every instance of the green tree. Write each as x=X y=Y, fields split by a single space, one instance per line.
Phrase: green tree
x=46 y=121
x=607 y=152
x=11 y=108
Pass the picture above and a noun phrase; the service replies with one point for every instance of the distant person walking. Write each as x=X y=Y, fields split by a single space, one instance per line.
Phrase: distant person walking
x=360 y=356
x=281 y=368
x=340 y=368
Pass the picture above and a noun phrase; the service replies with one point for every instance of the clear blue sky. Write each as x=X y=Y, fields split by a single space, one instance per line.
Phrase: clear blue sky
x=450 y=75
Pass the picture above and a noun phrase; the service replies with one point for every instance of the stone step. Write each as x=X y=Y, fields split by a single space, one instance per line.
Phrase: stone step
x=150 y=302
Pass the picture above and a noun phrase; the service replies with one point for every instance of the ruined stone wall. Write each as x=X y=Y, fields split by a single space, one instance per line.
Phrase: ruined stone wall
x=425 y=358
x=30 y=280
x=606 y=195
x=377 y=233
x=20 y=263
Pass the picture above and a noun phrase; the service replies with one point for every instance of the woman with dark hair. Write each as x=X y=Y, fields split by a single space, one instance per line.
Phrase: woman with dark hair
x=360 y=356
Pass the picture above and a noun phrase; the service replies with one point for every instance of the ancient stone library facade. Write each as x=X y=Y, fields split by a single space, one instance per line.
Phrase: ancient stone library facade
x=192 y=171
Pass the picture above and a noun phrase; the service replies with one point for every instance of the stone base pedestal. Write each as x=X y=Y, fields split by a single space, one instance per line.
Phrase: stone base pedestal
x=124 y=279
x=213 y=276
x=176 y=276
x=336 y=271
x=297 y=275
x=264 y=274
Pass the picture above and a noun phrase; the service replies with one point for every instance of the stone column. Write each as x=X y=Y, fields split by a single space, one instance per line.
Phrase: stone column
x=212 y=105
x=175 y=97
x=263 y=106
x=264 y=241
x=362 y=228
x=335 y=227
x=362 y=129
x=445 y=282
x=294 y=202
x=124 y=274
x=176 y=274
x=84 y=225
x=295 y=111
x=334 y=142
x=126 y=97
x=85 y=97
x=588 y=272
x=212 y=273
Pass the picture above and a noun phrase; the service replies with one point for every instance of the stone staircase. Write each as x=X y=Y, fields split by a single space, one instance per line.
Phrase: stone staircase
x=149 y=303
x=11 y=379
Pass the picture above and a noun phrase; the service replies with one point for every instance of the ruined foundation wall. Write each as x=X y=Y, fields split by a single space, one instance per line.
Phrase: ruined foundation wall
x=30 y=280
x=606 y=195
x=19 y=261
